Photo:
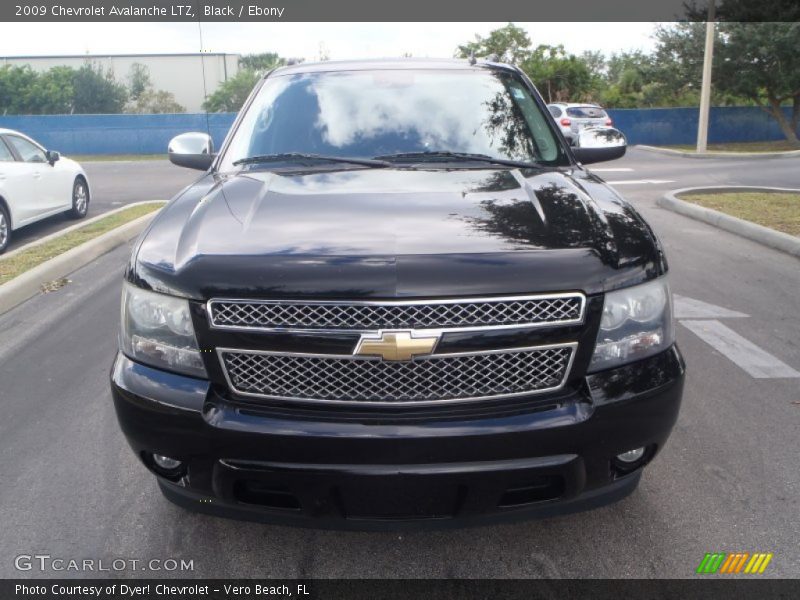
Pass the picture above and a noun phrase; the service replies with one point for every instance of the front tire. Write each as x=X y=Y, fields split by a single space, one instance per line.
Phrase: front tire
x=5 y=229
x=80 y=199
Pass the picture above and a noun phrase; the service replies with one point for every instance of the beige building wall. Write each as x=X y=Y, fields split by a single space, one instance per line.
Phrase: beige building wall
x=180 y=74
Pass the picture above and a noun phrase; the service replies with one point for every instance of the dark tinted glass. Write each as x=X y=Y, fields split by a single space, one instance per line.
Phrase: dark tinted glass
x=586 y=112
x=382 y=112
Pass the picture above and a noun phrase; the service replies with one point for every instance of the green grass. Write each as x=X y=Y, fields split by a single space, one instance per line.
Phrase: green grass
x=12 y=266
x=776 y=210
x=774 y=146
x=110 y=157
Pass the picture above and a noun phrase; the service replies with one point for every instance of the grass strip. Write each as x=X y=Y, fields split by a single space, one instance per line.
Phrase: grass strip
x=773 y=146
x=776 y=210
x=15 y=265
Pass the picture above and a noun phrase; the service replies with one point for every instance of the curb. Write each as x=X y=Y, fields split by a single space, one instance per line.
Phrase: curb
x=77 y=225
x=734 y=155
x=27 y=285
x=757 y=233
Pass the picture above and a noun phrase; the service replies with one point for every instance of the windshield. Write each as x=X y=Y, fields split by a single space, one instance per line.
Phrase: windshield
x=381 y=113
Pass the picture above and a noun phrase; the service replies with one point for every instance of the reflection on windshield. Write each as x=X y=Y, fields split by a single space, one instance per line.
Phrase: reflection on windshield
x=378 y=113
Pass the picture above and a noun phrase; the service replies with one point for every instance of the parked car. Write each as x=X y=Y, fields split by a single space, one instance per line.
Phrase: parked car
x=396 y=295
x=36 y=183
x=572 y=118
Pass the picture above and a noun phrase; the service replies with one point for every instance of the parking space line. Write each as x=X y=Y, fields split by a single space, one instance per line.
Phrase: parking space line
x=758 y=363
x=612 y=170
x=641 y=182
x=689 y=308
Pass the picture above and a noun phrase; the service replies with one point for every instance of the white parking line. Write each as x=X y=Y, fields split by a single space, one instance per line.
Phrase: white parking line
x=641 y=182
x=612 y=170
x=689 y=308
x=755 y=361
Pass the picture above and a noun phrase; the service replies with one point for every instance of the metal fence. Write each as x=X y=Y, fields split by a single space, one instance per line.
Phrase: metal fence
x=149 y=134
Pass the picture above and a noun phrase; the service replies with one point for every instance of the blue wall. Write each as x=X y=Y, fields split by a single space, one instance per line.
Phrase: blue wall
x=149 y=134
x=115 y=134
x=670 y=126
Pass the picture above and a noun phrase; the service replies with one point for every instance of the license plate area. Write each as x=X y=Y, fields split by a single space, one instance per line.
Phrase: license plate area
x=399 y=498
x=399 y=492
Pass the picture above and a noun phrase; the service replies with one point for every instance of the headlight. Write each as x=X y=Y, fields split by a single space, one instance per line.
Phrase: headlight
x=157 y=330
x=636 y=323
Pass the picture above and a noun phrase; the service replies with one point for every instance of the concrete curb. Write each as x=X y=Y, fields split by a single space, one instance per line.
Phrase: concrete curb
x=28 y=284
x=757 y=233
x=77 y=225
x=734 y=155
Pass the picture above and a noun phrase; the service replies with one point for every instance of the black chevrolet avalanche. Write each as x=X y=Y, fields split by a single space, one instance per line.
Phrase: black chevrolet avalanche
x=395 y=296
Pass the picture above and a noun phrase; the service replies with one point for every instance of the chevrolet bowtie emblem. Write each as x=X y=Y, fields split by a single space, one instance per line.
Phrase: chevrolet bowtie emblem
x=395 y=345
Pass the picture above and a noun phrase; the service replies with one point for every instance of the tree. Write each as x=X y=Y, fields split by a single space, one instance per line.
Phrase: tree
x=761 y=61
x=558 y=76
x=52 y=92
x=153 y=102
x=510 y=43
x=138 y=80
x=231 y=95
x=266 y=61
x=596 y=63
x=96 y=91
x=146 y=100
x=16 y=89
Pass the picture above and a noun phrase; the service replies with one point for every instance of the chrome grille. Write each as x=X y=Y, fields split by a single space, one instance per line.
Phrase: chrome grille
x=519 y=311
x=430 y=379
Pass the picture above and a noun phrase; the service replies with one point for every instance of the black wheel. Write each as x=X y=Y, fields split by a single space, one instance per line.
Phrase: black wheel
x=80 y=199
x=5 y=229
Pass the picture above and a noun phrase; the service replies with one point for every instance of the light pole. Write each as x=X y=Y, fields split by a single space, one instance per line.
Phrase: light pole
x=705 y=89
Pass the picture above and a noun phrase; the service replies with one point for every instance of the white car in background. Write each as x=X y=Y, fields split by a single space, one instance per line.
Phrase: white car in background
x=572 y=117
x=36 y=183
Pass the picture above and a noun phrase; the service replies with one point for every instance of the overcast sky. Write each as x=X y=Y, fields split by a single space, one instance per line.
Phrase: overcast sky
x=303 y=40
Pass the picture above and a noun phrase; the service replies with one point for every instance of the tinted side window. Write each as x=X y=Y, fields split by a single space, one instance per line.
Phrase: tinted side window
x=555 y=111
x=28 y=151
x=5 y=153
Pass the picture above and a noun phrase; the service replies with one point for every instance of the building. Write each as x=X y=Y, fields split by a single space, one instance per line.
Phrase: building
x=181 y=74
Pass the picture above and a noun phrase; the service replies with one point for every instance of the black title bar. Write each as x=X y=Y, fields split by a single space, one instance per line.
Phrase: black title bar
x=708 y=588
x=374 y=10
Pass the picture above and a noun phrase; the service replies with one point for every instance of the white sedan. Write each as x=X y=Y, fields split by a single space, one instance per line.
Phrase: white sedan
x=36 y=183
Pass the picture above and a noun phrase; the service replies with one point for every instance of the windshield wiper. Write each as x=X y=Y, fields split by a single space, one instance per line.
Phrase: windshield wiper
x=460 y=156
x=300 y=156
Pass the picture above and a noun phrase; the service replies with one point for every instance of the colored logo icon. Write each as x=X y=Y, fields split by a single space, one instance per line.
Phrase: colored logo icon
x=734 y=563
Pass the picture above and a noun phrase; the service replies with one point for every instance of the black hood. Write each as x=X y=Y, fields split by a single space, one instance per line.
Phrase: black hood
x=387 y=233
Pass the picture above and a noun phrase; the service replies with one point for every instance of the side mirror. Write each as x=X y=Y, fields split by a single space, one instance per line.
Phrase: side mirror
x=52 y=156
x=598 y=144
x=194 y=150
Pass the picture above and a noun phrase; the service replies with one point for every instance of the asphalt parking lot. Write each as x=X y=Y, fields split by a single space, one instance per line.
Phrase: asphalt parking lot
x=727 y=481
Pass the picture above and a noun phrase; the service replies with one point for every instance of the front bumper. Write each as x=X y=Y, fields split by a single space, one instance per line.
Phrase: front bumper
x=353 y=473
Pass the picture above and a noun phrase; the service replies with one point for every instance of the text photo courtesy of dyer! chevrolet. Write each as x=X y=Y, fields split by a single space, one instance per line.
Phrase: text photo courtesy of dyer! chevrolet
x=364 y=302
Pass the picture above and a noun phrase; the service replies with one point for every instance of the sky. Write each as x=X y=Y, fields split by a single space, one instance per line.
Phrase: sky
x=304 y=40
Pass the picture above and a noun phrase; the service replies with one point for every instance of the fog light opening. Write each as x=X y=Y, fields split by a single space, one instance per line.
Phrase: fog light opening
x=631 y=456
x=166 y=466
x=632 y=459
x=165 y=462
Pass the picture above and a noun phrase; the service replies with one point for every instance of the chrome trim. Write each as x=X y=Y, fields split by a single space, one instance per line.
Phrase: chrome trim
x=431 y=330
x=571 y=345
